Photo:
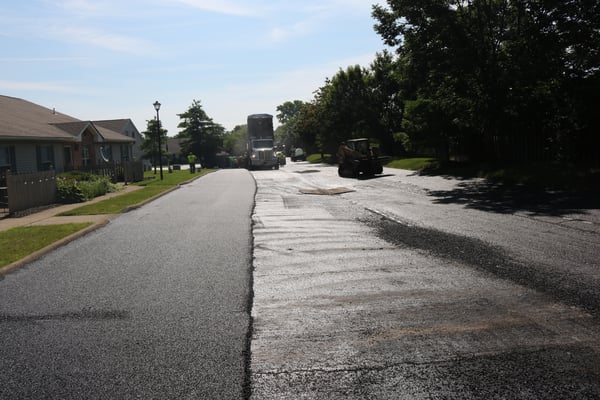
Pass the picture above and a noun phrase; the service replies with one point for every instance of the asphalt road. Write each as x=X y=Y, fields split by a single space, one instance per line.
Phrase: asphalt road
x=422 y=287
x=398 y=287
x=155 y=305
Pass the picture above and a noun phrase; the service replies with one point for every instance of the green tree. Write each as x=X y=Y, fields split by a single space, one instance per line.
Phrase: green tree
x=435 y=69
x=287 y=133
x=307 y=126
x=356 y=102
x=204 y=137
x=387 y=100
x=512 y=80
x=289 y=110
x=234 y=142
x=150 y=144
x=347 y=108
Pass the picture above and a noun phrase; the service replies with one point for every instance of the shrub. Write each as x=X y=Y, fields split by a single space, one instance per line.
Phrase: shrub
x=77 y=186
x=67 y=191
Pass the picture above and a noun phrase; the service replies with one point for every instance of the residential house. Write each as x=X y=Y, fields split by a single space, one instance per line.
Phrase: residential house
x=174 y=150
x=127 y=128
x=35 y=138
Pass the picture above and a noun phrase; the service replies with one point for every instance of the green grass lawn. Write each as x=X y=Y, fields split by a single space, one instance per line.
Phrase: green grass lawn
x=316 y=158
x=152 y=186
x=413 y=164
x=17 y=243
x=169 y=179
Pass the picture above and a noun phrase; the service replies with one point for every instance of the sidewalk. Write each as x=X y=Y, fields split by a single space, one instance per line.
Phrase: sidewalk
x=49 y=216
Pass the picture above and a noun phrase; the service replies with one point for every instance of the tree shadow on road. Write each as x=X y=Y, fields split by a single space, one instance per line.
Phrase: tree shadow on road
x=507 y=198
x=367 y=177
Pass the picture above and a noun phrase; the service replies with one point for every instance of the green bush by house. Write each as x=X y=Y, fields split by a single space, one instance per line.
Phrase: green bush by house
x=77 y=186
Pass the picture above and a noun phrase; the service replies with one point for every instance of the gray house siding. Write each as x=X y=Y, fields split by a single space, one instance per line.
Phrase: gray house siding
x=26 y=161
x=34 y=138
x=34 y=157
x=127 y=128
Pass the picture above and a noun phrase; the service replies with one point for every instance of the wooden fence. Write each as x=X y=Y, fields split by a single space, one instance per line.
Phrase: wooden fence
x=24 y=191
x=128 y=171
x=3 y=193
x=30 y=190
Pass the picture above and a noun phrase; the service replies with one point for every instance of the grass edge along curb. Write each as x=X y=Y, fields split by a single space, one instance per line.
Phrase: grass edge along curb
x=90 y=228
x=159 y=188
x=5 y=269
x=164 y=192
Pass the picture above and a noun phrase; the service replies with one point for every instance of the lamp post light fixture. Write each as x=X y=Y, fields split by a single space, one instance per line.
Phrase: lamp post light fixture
x=157 y=107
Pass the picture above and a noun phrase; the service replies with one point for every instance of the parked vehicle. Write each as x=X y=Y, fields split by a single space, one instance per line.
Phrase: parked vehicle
x=259 y=146
x=356 y=157
x=298 y=155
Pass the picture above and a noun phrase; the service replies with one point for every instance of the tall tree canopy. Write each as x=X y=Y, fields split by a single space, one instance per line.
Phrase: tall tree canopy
x=287 y=134
x=505 y=79
x=234 y=142
x=508 y=80
x=289 y=110
x=150 y=143
x=204 y=137
x=355 y=102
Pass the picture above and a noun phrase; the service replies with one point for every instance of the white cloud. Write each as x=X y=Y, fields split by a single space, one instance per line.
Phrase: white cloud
x=42 y=59
x=80 y=6
x=360 y=6
x=281 y=34
x=313 y=16
x=36 y=86
x=221 y=7
x=109 y=41
x=265 y=95
x=97 y=9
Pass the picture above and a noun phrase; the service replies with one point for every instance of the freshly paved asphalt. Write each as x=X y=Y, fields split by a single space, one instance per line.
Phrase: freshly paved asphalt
x=153 y=305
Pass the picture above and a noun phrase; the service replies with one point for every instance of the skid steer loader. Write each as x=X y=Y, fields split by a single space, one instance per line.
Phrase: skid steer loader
x=356 y=157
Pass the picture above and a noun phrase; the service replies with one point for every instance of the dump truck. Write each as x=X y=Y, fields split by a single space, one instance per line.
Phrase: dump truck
x=260 y=153
x=356 y=157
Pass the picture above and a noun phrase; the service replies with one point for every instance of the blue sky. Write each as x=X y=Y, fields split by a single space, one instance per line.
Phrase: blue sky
x=105 y=59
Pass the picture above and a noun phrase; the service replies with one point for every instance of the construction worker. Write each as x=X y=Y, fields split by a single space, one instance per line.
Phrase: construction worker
x=192 y=161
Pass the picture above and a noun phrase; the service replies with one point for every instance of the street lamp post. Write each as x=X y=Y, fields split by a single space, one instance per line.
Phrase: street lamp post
x=157 y=107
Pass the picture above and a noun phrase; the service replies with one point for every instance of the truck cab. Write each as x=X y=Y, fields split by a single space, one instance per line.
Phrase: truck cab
x=259 y=146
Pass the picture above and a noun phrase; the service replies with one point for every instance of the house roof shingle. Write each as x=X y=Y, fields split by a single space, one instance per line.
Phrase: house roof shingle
x=73 y=128
x=112 y=136
x=116 y=125
x=23 y=120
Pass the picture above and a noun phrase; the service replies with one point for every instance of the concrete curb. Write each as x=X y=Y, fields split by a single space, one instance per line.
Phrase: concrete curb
x=151 y=199
x=53 y=246
x=95 y=225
